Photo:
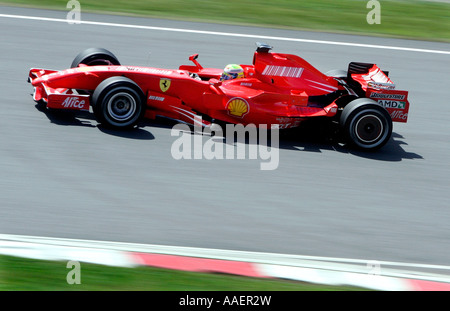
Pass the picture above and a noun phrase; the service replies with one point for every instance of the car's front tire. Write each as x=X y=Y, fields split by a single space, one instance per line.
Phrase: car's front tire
x=366 y=124
x=118 y=102
x=95 y=57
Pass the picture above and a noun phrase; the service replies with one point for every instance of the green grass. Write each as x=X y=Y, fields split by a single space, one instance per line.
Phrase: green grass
x=22 y=274
x=399 y=18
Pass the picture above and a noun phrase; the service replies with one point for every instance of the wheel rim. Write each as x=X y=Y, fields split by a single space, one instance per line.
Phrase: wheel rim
x=369 y=129
x=121 y=106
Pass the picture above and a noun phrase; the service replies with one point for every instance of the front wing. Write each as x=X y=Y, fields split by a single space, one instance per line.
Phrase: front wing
x=57 y=98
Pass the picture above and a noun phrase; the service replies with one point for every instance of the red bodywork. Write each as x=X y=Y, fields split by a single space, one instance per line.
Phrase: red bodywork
x=280 y=90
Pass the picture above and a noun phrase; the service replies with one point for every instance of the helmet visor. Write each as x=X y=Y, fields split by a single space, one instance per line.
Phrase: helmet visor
x=228 y=76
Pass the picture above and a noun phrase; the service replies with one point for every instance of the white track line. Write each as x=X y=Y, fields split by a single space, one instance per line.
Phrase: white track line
x=230 y=34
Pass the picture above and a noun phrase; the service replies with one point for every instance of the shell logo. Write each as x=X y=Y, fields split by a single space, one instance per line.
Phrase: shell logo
x=238 y=107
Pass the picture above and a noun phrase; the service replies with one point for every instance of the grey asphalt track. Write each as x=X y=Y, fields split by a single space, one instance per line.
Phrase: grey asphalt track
x=63 y=176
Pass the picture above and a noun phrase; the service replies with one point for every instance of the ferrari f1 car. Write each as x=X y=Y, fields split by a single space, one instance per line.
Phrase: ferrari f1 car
x=278 y=90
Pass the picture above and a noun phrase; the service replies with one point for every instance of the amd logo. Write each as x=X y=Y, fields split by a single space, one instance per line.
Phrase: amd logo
x=392 y=104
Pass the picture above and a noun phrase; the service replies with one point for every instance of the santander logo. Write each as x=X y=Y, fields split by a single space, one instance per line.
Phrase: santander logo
x=73 y=102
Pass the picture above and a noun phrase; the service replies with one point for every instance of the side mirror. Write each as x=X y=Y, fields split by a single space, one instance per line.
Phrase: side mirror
x=193 y=58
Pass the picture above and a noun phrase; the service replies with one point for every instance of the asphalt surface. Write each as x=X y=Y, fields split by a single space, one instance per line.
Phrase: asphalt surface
x=64 y=176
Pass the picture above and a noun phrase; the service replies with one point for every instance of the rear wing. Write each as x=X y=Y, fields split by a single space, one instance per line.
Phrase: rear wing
x=368 y=80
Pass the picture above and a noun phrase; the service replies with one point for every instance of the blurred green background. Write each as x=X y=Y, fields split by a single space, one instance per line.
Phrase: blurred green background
x=23 y=274
x=425 y=20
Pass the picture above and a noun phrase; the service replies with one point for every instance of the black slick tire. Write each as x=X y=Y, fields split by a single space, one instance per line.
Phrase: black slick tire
x=118 y=102
x=366 y=124
x=95 y=57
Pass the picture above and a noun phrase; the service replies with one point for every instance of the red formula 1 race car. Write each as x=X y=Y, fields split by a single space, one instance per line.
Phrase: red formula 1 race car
x=277 y=90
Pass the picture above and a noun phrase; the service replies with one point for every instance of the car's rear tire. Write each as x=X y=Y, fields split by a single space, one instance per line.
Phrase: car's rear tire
x=118 y=102
x=95 y=57
x=366 y=124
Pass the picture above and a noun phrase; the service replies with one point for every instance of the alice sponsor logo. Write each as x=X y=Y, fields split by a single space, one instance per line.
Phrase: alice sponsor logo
x=399 y=115
x=73 y=102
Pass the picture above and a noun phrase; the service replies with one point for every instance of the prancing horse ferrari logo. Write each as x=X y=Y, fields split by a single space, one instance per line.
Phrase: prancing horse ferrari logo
x=164 y=84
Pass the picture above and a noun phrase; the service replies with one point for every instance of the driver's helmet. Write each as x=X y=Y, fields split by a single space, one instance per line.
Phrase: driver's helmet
x=232 y=71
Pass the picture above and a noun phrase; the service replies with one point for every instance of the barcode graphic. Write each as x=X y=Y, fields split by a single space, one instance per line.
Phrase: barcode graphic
x=282 y=71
